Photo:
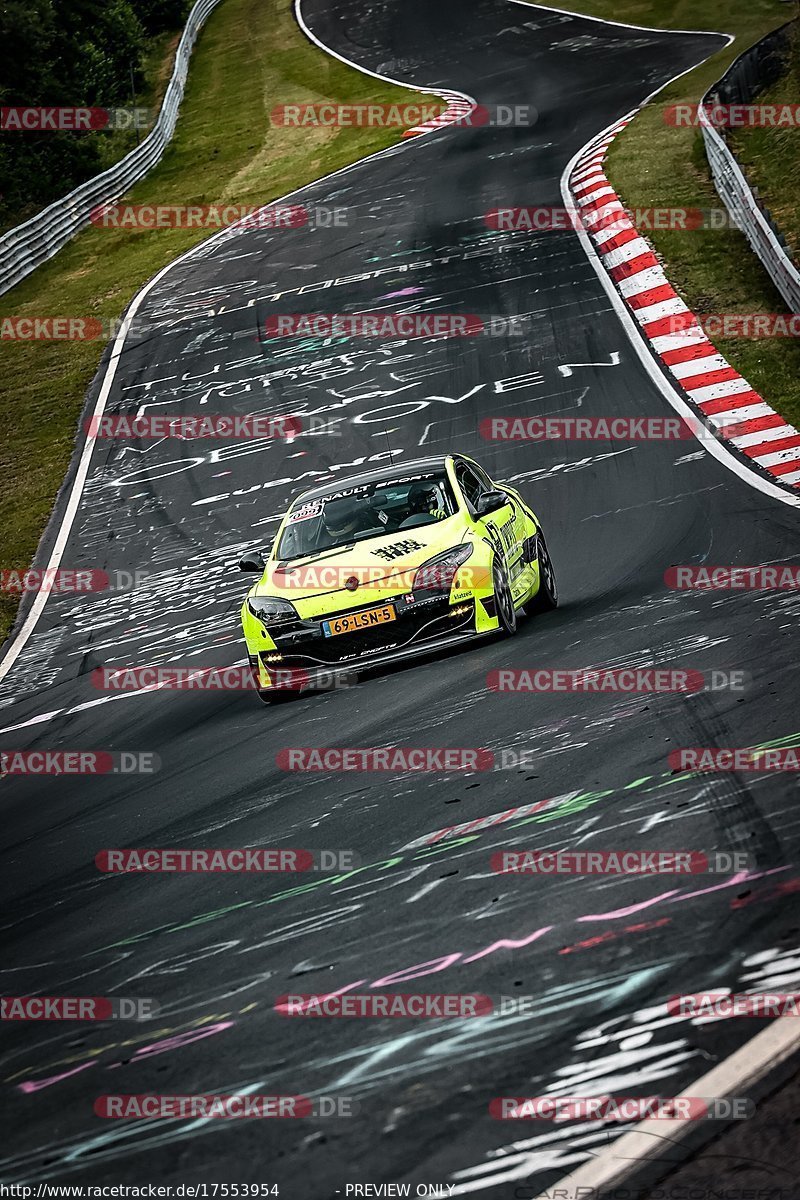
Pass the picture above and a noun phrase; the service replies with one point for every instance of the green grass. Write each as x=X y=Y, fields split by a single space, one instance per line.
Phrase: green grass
x=771 y=157
x=158 y=63
x=250 y=57
x=656 y=165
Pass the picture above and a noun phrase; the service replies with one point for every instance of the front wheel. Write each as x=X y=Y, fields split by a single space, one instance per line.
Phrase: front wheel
x=503 y=600
x=547 y=596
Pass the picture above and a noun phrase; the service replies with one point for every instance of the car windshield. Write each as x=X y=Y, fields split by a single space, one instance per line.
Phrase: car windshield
x=353 y=514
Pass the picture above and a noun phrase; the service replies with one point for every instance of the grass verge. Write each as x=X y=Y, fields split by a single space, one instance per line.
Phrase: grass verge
x=158 y=64
x=655 y=165
x=771 y=157
x=250 y=56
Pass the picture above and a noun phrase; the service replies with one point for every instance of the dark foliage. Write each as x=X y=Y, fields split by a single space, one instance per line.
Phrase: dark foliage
x=70 y=53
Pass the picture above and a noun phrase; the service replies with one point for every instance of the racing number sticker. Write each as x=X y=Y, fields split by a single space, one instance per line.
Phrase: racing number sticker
x=306 y=512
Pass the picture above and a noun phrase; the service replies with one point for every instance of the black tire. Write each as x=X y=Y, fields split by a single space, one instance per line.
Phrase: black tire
x=503 y=600
x=546 y=598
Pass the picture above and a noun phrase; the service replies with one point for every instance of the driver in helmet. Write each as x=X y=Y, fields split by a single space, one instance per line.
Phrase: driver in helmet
x=344 y=517
x=425 y=498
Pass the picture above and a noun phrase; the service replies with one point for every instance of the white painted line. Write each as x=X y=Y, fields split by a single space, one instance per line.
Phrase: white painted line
x=78 y=708
x=623 y=25
x=20 y=639
x=738 y=1072
x=40 y=720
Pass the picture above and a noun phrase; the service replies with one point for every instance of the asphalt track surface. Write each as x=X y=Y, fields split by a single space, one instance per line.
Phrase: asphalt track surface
x=599 y=955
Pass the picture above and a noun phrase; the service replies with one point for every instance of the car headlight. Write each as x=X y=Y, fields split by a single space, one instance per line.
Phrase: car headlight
x=272 y=610
x=437 y=574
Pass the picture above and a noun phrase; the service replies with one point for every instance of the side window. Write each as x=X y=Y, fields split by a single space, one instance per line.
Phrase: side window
x=485 y=481
x=469 y=483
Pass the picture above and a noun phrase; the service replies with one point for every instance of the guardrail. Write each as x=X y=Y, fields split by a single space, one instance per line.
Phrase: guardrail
x=748 y=74
x=25 y=247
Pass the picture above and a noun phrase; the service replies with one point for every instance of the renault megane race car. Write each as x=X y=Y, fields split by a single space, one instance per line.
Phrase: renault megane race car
x=395 y=562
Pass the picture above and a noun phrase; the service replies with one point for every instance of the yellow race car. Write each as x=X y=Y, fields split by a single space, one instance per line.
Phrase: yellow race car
x=395 y=562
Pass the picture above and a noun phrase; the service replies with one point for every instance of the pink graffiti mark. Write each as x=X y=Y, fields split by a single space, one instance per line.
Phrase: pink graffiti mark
x=611 y=935
x=676 y=896
x=170 y=1043
x=434 y=965
x=284 y=1008
x=486 y=823
x=409 y=291
x=617 y=913
x=35 y=1085
x=783 y=888
x=181 y=1039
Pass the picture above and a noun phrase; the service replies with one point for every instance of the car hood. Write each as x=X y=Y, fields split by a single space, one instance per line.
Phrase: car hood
x=374 y=567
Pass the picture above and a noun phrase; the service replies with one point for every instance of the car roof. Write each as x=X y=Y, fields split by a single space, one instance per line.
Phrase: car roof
x=381 y=474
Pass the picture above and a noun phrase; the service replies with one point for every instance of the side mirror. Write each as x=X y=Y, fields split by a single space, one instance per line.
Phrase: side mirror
x=252 y=562
x=490 y=502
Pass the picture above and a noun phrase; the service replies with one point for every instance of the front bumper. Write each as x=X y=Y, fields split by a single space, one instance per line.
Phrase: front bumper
x=303 y=655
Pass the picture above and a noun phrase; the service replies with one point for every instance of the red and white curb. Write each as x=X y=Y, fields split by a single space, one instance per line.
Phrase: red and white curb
x=718 y=393
x=458 y=107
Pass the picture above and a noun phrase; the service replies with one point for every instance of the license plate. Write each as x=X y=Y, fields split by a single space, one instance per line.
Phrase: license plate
x=355 y=621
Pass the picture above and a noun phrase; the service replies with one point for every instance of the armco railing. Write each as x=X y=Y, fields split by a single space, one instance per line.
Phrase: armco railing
x=748 y=74
x=26 y=246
